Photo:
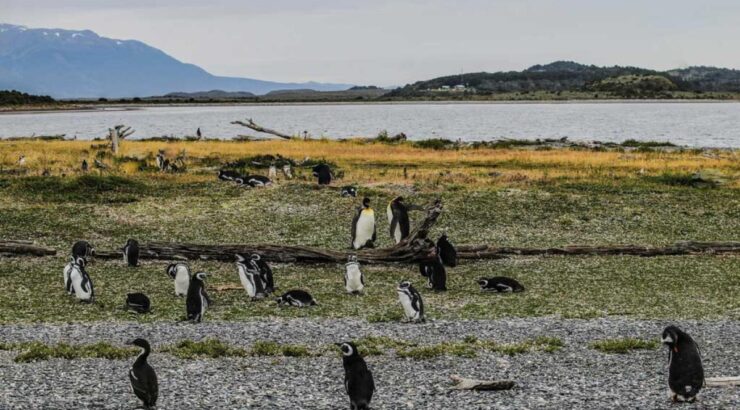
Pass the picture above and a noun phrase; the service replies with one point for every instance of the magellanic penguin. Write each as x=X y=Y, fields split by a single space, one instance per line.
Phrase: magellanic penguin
x=435 y=272
x=197 y=300
x=685 y=371
x=79 y=263
x=447 y=251
x=84 y=165
x=358 y=380
x=138 y=302
x=348 y=191
x=323 y=173
x=82 y=249
x=180 y=272
x=249 y=276
x=363 y=227
x=500 y=284
x=226 y=175
x=410 y=298
x=131 y=253
x=142 y=377
x=81 y=282
x=354 y=280
x=265 y=272
x=296 y=297
x=398 y=218
x=254 y=181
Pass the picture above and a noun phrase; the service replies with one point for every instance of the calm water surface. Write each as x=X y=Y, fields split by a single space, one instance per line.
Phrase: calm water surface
x=692 y=124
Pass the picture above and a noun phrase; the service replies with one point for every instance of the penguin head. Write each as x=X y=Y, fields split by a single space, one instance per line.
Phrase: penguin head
x=239 y=258
x=201 y=276
x=172 y=270
x=483 y=282
x=131 y=242
x=351 y=259
x=348 y=349
x=366 y=202
x=142 y=343
x=404 y=287
x=670 y=336
x=397 y=200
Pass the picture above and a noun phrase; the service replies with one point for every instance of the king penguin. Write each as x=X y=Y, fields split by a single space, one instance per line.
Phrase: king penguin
x=685 y=371
x=197 y=300
x=142 y=377
x=180 y=273
x=398 y=218
x=358 y=380
x=354 y=280
x=410 y=298
x=131 y=253
x=363 y=227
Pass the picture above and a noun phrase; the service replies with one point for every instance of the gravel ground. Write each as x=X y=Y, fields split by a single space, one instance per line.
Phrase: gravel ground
x=577 y=377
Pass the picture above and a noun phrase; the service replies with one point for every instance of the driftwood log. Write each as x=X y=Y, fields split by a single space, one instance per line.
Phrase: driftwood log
x=251 y=125
x=462 y=383
x=20 y=248
x=723 y=381
x=118 y=134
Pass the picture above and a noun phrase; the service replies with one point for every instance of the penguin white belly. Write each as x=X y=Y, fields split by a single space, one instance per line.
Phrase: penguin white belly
x=247 y=283
x=353 y=277
x=408 y=309
x=397 y=233
x=182 y=283
x=365 y=229
x=203 y=304
x=81 y=292
x=389 y=213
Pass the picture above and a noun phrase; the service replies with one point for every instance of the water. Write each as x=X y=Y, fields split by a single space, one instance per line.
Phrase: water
x=693 y=124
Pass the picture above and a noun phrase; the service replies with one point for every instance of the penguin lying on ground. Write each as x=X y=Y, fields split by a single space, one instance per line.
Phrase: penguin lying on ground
x=354 y=280
x=253 y=181
x=296 y=297
x=363 y=227
x=138 y=302
x=500 y=284
x=131 y=252
x=323 y=173
x=142 y=377
x=685 y=371
x=358 y=380
x=180 y=273
x=348 y=191
x=249 y=276
x=410 y=299
x=226 y=175
x=197 y=301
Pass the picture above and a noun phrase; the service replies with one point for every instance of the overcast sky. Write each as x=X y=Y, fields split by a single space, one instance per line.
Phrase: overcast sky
x=387 y=42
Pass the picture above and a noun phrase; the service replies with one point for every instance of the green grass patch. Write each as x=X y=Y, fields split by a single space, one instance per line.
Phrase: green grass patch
x=622 y=346
x=269 y=348
x=35 y=351
x=209 y=348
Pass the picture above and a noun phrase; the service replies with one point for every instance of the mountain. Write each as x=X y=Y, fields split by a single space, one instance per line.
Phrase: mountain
x=81 y=64
x=572 y=76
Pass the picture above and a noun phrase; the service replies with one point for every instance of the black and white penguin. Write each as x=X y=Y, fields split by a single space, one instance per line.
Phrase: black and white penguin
x=410 y=298
x=447 y=251
x=131 y=252
x=398 y=218
x=348 y=191
x=323 y=173
x=161 y=161
x=81 y=282
x=249 y=276
x=85 y=165
x=685 y=371
x=197 y=300
x=226 y=175
x=363 y=227
x=142 y=377
x=500 y=284
x=138 y=302
x=67 y=272
x=435 y=272
x=255 y=181
x=265 y=273
x=358 y=380
x=180 y=273
x=296 y=297
x=354 y=280
x=82 y=249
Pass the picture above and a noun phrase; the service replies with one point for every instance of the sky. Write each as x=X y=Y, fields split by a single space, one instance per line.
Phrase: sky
x=391 y=43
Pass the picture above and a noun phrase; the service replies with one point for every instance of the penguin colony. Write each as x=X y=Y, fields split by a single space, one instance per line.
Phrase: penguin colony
x=685 y=371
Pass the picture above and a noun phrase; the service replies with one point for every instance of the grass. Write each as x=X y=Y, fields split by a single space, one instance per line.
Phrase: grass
x=623 y=346
x=35 y=351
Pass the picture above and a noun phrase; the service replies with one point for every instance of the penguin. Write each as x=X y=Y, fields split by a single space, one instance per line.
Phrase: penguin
x=296 y=297
x=265 y=273
x=287 y=171
x=272 y=172
x=138 y=302
x=685 y=371
x=256 y=181
x=354 y=280
x=398 y=218
x=197 y=300
x=323 y=173
x=410 y=298
x=500 y=284
x=348 y=191
x=82 y=249
x=81 y=282
x=180 y=272
x=249 y=275
x=85 y=166
x=78 y=262
x=435 y=273
x=363 y=227
x=22 y=160
x=447 y=251
x=161 y=162
x=142 y=377
x=358 y=380
x=198 y=133
x=226 y=175
x=131 y=252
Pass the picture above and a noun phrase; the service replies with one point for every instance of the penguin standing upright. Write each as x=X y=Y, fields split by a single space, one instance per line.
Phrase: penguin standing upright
x=410 y=298
x=85 y=166
x=142 y=377
x=358 y=380
x=398 y=218
x=435 y=272
x=131 y=252
x=323 y=173
x=180 y=272
x=265 y=273
x=447 y=251
x=363 y=227
x=354 y=280
x=81 y=282
x=249 y=276
x=68 y=273
x=197 y=300
x=685 y=371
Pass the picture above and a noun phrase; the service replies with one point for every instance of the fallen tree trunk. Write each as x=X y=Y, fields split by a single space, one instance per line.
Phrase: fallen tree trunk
x=20 y=248
x=463 y=383
x=722 y=381
x=251 y=125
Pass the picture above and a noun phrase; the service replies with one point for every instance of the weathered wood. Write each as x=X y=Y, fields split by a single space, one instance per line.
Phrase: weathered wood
x=118 y=134
x=251 y=125
x=23 y=248
x=722 y=381
x=463 y=383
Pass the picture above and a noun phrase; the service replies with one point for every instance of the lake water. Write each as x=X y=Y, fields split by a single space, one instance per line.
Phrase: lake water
x=693 y=124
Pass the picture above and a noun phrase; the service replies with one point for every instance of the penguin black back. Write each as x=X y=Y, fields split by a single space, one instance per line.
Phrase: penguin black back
x=358 y=380
x=398 y=217
x=131 y=252
x=197 y=300
x=323 y=173
x=142 y=377
x=685 y=370
x=437 y=274
x=447 y=251
x=138 y=302
x=296 y=297
x=265 y=273
x=82 y=249
x=500 y=284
